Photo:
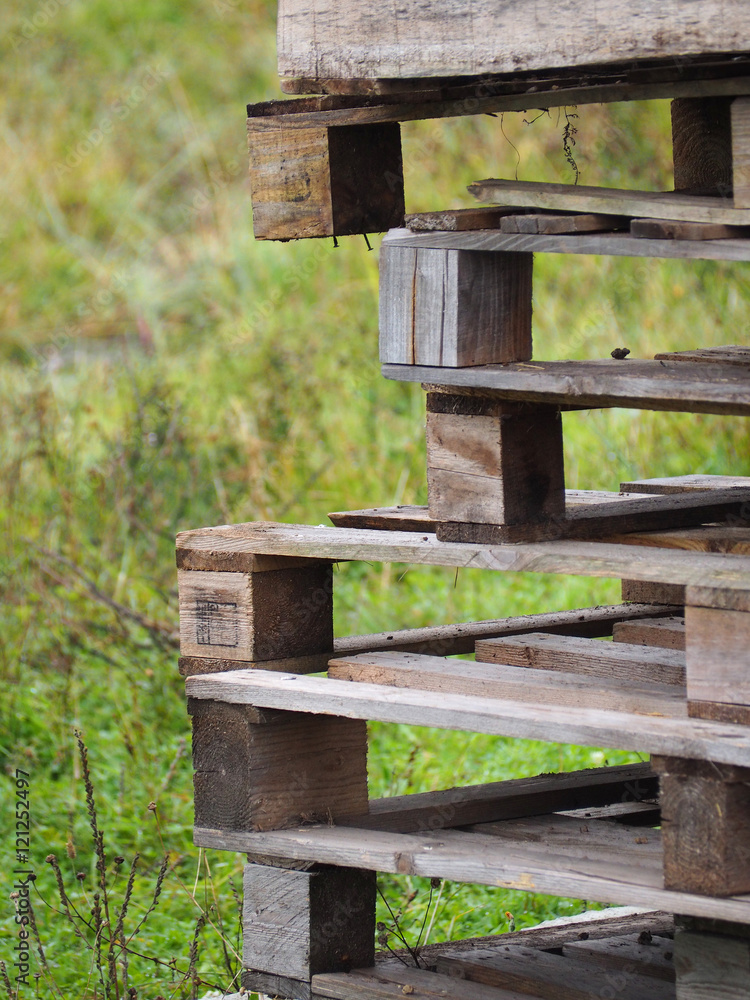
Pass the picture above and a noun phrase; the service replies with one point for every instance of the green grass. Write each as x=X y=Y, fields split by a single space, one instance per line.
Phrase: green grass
x=159 y=370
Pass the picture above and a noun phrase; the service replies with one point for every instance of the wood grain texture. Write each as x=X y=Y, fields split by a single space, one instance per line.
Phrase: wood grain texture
x=446 y=39
x=719 y=712
x=636 y=384
x=683 y=484
x=261 y=776
x=663 y=229
x=711 y=966
x=256 y=616
x=315 y=182
x=265 y=984
x=741 y=151
x=705 y=827
x=702 y=146
x=299 y=923
x=718 y=597
x=583 y=726
x=667 y=632
x=559 y=687
x=544 y=223
x=551 y=977
x=455 y=308
x=728 y=354
x=455 y=220
x=393 y=981
x=504 y=467
x=598 y=559
x=618 y=244
x=718 y=655
x=656 y=593
x=655 y=958
x=610 y=201
x=589 y=657
x=504 y=800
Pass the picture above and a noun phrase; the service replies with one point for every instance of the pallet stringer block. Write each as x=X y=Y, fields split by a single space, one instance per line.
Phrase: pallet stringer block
x=705 y=826
x=259 y=770
x=712 y=959
x=454 y=308
x=717 y=644
x=491 y=462
x=323 y=181
x=702 y=145
x=297 y=924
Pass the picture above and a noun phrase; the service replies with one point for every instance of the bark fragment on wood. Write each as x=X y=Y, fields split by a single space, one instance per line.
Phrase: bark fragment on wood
x=454 y=308
x=288 y=769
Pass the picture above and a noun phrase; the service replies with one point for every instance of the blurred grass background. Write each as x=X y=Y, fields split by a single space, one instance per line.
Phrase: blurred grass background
x=160 y=370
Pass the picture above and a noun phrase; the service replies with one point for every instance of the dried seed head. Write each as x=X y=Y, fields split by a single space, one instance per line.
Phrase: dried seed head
x=152 y=806
x=380 y=925
x=80 y=876
x=50 y=859
x=119 y=859
x=70 y=848
x=435 y=883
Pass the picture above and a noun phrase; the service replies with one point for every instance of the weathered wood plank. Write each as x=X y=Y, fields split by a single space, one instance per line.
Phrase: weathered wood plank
x=719 y=712
x=610 y=201
x=608 y=244
x=588 y=657
x=656 y=593
x=718 y=597
x=299 y=923
x=242 y=542
x=729 y=354
x=636 y=384
x=454 y=307
x=447 y=40
x=472 y=857
x=551 y=977
x=667 y=632
x=261 y=776
x=256 y=616
x=432 y=673
x=502 y=800
x=323 y=181
x=705 y=826
x=502 y=466
x=393 y=982
x=682 y=484
x=711 y=966
x=654 y=957
x=582 y=726
x=663 y=229
x=543 y=223
x=455 y=220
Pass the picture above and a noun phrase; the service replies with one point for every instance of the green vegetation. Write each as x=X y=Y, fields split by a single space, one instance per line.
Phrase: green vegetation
x=159 y=370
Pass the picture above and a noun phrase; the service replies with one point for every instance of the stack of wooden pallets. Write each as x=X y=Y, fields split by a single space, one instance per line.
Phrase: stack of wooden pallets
x=281 y=757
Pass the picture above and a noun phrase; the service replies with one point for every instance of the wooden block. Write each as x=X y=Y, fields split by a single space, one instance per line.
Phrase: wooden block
x=705 y=826
x=501 y=466
x=325 y=181
x=702 y=145
x=668 y=632
x=542 y=223
x=646 y=592
x=654 y=957
x=290 y=769
x=664 y=229
x=741 y=151
x=591 y=657
x=719 y=712
x=454 y=308
x=718 y=655
x=256 y=616
x=711 y=966
x=300 y=923
x=716 y=597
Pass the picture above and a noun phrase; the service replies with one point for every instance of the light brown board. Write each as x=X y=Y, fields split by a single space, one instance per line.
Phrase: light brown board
x=718 y=655
x=661 y=229
x=590 y=657
x=681 y=484
x=668 y=632
x=550 y=223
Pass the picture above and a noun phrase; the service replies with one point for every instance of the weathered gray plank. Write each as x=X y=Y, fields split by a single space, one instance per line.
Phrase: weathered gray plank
x=447 y=39
x=637 y=384
x=454 y=307
x=496 y=680
x=717 y=644
x=741 y=151
x=214 y=549
x=589 y=657
x=393 y=982
x=653 y=958
x=543 y=223
x=681 y=484
x=667 y=632
x=582 y=198
x=663 y=229
x=583 y=726
x=711 y=966
x=607 y=244
x=545 y=793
